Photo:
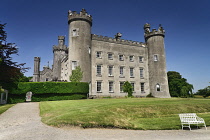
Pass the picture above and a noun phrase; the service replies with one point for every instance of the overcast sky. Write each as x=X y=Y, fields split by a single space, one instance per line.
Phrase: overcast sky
x=34 y=26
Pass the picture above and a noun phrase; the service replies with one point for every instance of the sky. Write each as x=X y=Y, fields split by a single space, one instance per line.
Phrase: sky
x=34 y=26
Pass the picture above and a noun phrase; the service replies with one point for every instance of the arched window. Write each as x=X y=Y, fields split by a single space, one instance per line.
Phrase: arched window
x=157 y=87
x=155 y=57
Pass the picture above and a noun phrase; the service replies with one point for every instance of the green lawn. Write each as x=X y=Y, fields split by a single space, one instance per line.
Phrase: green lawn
x=3 y=108
x=130 y=113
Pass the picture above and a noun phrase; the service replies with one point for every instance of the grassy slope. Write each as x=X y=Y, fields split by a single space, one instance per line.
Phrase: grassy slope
x=131 y=113
x=3 y=108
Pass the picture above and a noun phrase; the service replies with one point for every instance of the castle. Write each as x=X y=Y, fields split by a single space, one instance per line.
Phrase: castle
x=108 y=62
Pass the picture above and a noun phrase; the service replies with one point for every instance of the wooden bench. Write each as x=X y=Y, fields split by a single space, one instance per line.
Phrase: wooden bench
x=190 y=118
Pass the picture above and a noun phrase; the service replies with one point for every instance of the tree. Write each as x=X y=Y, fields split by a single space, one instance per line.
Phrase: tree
x=10 y=71
x=178 y=86
x=204 y=92
x=127 y=87
x=77 y=75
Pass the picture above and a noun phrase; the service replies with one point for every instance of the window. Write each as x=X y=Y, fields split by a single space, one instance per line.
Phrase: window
x=110 y=70
x=98 y=86
x=131 y=58
x=98 y=70
x=110 y=56
x=131 y=72
x=47 y=79
x=121 y=86
x=74 y=65
x=121 y=57
x=75 y=32
x=89 y=50
x=155 y=57
x=111 y=87
x=142 y=87
x=132 y=83
x=140 y=59
x=121 y=71
x=157 y=87
x=98 y=54
x=141 y=73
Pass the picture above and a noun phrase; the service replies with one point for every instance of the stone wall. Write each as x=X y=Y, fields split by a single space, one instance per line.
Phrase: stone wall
x=118 y=47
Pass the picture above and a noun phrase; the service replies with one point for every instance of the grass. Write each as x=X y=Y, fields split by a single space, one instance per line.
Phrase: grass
x=3 y=108
x=130 y=113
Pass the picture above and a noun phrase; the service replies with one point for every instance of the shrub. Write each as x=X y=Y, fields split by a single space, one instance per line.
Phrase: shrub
x=127 y=87
x=19 y=98
x=51 y=87
x=150 y=95
x=77 y=75
x=49 y=91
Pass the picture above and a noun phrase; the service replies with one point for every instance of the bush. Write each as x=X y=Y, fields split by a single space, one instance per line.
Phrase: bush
x=127 y=87
x=77 y=75
x=19 y=98
x=150 y=95
x=51 y=87
x=49 y=91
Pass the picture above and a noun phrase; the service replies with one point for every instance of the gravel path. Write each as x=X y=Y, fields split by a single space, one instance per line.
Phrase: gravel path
x=22 y=122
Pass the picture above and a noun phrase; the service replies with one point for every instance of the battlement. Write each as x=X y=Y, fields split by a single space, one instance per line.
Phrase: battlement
x=154 y=32
x=60 y=48
x=118 y=41
x=61 y=37
x=83 y=15
x=36 y=58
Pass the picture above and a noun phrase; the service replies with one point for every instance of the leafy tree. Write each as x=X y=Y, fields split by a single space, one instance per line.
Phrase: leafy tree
x=10 y=71
x=127 y=87
x=23 y=78
x=178 y=86
x=77 y=75
x=204 y=92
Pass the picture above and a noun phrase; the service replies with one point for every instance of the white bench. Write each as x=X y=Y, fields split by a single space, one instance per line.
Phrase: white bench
x=190 y=118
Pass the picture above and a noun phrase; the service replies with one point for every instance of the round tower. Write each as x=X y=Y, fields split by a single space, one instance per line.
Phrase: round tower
x=158 y=79
x=36 y=76
x=80 y=42
x=59 y=52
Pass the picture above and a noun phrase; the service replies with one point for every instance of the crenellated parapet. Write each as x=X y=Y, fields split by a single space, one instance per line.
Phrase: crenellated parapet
x=60 y=48
x=154 y=32
x=117 y=40
x=61 y=37
x=61 y=44
x=83 y=15
x=37 y=59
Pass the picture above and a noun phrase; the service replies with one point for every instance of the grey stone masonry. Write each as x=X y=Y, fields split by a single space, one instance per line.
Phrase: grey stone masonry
x=36 y=69
x=157 y=62
x=59 y=52
x=107 y=62
x=80 y=43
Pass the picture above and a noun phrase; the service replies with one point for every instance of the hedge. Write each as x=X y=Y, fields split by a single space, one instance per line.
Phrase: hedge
x=49 y=91
x=19 y=98
x=51 y=87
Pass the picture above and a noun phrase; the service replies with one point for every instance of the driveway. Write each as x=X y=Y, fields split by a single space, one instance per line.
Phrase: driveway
x=22 y=122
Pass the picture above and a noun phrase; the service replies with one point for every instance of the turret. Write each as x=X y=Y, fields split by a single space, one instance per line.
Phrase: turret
x=36 y=77
x=80 y=42
x=59 y=52
x=156 y=61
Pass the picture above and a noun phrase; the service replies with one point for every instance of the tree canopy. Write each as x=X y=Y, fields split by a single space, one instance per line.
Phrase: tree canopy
x=178 y=86
x=204 y=92
x=10 y=71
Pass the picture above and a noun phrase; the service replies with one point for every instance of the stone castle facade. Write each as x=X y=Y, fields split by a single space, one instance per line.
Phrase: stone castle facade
x=108 y=62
